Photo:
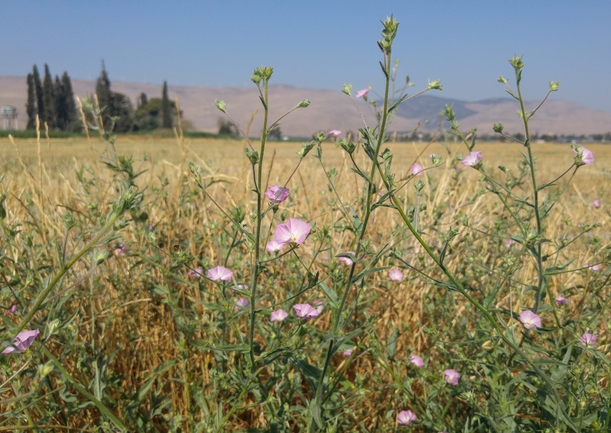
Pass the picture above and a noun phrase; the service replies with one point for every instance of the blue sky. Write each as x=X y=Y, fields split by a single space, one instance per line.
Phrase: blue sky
x=318 y=44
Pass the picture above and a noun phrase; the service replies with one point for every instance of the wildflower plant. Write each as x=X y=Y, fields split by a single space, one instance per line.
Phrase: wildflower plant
x=392 y=309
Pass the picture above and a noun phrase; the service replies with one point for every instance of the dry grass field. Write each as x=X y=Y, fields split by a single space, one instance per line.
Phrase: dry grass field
x=121 y=306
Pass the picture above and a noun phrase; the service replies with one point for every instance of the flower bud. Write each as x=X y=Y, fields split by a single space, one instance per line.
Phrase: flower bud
x=220 y=105
x=553 y=86
x=498 y=127
x=347 y=89
x=435 y=85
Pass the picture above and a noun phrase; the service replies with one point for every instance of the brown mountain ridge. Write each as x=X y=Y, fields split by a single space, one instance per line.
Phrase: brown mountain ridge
x=330 y=109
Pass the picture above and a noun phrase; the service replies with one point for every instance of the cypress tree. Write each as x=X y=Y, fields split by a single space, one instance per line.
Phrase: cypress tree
x=61 y=111
x=49 y=99
x=30 y=106
x=40 y=103
x=69 y=100
x=105 y=97
x=166 y=117
x=142 y=100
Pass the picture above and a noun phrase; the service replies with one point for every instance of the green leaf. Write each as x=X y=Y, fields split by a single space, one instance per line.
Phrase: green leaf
x=396 y=104
x=330 y=294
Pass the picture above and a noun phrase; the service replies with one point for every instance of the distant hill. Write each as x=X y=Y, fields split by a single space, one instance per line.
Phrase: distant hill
x=331 y=109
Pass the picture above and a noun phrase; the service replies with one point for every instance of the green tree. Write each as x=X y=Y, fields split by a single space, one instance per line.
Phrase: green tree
x=61 y=109
x=40 y=103
x=142 y=100
x=148 y=116
x=71 y=119
x=124 y=111
x=166 y=118
x=30 y=106
x=105 y=96
x=48 y=92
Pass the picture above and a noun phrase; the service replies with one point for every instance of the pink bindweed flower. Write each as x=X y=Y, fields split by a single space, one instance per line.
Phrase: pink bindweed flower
x=305 y=311
x=278 y=315
x=195 y=273
x=395 y=275
x=561 y=300
x=595 y=268
x=416 y=360
x=451 y=376
x=335 y=133
x=318 y=305
x=22 y=341
x=12 y=310
x=348 y=352
x=362 y=93
x=530 y=319
x=120 y=250
x=406 y=417
x=273 y=246
x=276 y=194
x=294 y=230
x=219 y=273
x=416 y=169
x=509 y=243
x=589 y=340
x=473 y=159
x=596 y=203
x=583 y=156
x=347 y=260
x=242 y=304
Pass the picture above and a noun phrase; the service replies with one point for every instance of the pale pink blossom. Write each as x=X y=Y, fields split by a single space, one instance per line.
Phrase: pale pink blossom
x=509 y=243
x=276 y=194
x=22 y=342
x=120 y=250
x=195 y=273
x=406 y=417
x=561 y=300
x=348 y=352
x=416 y=360
x=588 y=340
x=335 y=133
x=219 y=273
x=530 y=319
x=242 y=304
x=595 y=268
x=305 y=311
x=12 y=309
x=362 y=93
x=347 y=260
x=273 y=246
x=395 y=275
x=596 y=203
x=583 y=156
x=294 y=230
x=473 y=159
x=451 y=376
x=278 y=315
x=318 y=305
x=416 y=169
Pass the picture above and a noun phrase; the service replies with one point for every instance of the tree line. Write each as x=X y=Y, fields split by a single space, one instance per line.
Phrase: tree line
x=54 y=103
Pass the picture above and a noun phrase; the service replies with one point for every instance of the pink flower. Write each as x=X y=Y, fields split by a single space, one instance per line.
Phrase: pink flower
x=595 y=268
x=561 y=300
x=22 y=341
x=120 y=250
x=219 y=273
x=451 y=377
x=473 y=159
x=416 y=169
x=318 y=305
x=416 y=360
x=242 y=304
x=395 y=275
x=195 y=273
x=347 y=260
x=588 y=340
x=276 y=194
x=335 y=133
x=348 y=352
x=273 y=246
x=406 y=417
x=294 y=230
x=362 y=93
x=278 y=315
x=509 y=243
x=596 y=203
x=12 y=310
x=583 y=156
x=305 y=311
x=530 y=319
